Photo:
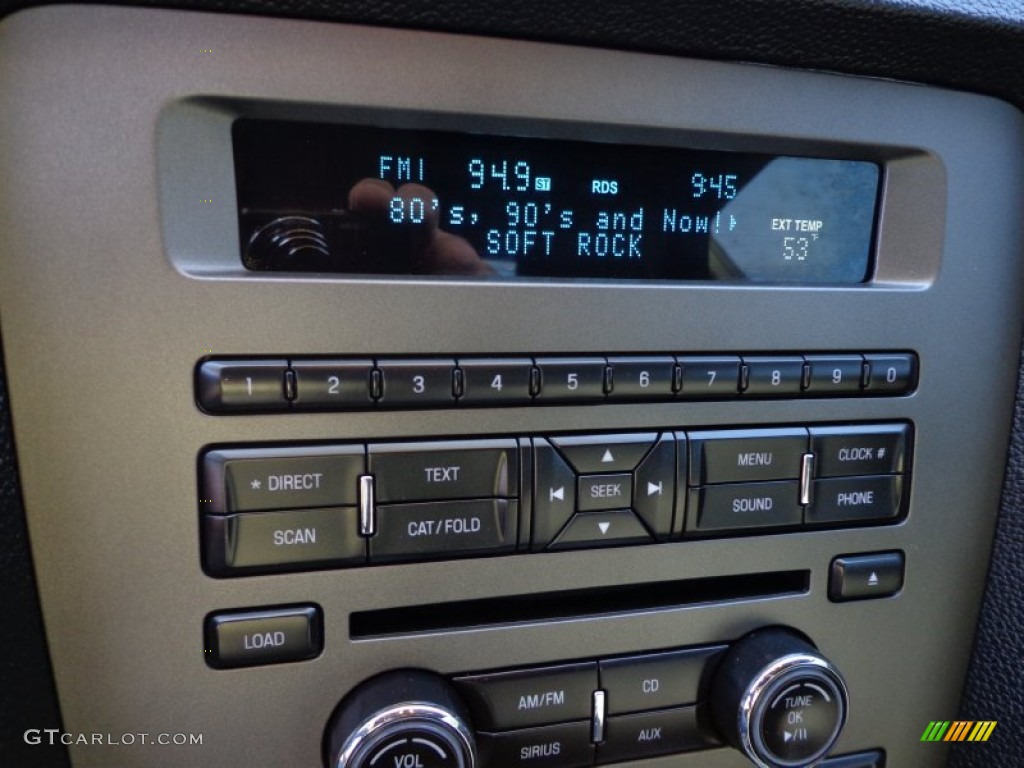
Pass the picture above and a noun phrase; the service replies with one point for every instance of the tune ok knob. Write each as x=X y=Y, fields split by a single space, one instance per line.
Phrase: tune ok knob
x=401 y=719
x=778 y=700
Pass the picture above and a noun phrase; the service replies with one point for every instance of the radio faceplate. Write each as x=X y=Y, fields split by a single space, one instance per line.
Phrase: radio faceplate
x=141 y=278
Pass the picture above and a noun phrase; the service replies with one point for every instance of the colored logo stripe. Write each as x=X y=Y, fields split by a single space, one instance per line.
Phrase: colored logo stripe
x=958 y=730
x=935 y=731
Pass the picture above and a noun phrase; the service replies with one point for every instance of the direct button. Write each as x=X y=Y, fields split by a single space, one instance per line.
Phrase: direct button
x=591 y=454
x=265 y=541
x=248 y=479
x=655 y=680
x=247 y=638
x=509 y=700
x=597 y=492
x=740 y=456
x=467 y=469
x=862 y=450
x=558 y=746
x=437 y=530
x=745 y=505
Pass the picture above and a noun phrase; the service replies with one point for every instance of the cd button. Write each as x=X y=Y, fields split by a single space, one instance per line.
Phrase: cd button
x=495 y=382
x=341 y=384
x=746 y=505
x=738 y=456
x=641 y=378
x=571 y=379
x=508 y=700
x=256 y=385
x=467 y=469
x=774 y=376
x=597 y=492
x=602 y=529
x=593 y=454
x=654 y=680
x=421 y=383
x=437 y=530
x=275 y=541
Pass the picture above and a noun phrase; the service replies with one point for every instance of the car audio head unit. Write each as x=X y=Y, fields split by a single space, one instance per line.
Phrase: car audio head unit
x=489 y=403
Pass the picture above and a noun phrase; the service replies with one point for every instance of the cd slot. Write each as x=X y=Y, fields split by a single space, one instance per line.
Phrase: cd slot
x=575 y=604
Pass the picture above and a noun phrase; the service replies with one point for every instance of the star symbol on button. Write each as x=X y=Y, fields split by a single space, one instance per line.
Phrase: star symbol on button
x=256 y=485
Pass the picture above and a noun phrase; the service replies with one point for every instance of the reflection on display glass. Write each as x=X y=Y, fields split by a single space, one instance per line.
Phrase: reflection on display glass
x=381 y=201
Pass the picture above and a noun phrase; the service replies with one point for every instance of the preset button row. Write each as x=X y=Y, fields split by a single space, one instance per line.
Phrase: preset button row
x=268 y=385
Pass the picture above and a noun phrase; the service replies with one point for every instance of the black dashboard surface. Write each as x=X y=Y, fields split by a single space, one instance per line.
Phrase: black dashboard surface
x=976 y=46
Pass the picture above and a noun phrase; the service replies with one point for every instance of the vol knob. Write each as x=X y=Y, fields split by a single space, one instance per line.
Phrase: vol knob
x=401 y=719
x=778 y=700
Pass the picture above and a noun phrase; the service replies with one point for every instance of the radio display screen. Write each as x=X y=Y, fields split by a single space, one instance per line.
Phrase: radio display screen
x=362 y=200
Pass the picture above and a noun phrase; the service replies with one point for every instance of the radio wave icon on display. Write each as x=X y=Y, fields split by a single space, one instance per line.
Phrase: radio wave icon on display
x=288 y=240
